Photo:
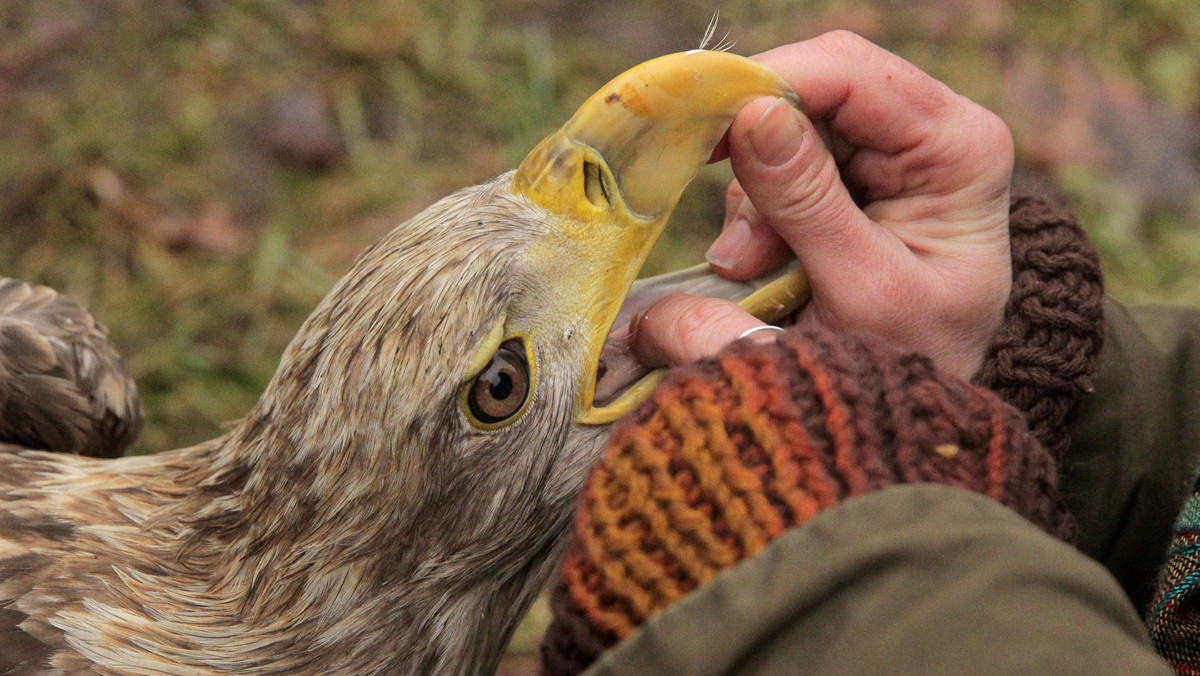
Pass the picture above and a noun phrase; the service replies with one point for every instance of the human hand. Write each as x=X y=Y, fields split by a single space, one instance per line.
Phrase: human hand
x=894 y=197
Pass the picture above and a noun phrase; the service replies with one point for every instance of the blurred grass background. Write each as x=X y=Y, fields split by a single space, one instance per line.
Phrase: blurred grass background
x=199 y=172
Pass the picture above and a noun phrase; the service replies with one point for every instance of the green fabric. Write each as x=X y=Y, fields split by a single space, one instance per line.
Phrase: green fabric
x=909 y=580
x=1137 y=443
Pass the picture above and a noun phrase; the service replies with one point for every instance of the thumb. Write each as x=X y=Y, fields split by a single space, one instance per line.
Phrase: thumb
x=790 y=177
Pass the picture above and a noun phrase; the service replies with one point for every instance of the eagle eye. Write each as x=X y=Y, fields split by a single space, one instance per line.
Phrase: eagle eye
x=500 y=390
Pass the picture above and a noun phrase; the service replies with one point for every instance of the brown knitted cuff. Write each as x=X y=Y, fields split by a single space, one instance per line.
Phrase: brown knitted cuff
x=1044 y=359
x=732 y=451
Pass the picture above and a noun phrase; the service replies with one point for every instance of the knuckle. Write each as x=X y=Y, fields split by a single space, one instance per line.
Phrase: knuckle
x=735 y=197
x=991 y=150
x=735 y=193
x=815 y=201
x=847 y=43
x=699 y=316
x=996 y=134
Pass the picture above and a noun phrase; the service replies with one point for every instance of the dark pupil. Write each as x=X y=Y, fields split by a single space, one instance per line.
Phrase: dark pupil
x=500 y=390
x=501 y=386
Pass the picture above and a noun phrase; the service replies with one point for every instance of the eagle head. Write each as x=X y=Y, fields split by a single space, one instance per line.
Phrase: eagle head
x=451 y=376
x=400 y=492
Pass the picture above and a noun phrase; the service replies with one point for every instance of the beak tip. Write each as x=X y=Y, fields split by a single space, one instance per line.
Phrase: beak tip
x=655 y=125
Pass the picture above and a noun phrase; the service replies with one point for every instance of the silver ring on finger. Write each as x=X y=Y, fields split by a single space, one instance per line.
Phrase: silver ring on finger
x=760 y=331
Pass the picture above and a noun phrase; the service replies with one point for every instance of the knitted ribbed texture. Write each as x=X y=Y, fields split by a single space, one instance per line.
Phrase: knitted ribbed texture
x=732 y=451
x=1045 y=357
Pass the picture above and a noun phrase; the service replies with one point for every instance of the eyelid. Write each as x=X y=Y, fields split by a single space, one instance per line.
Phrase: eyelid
x=483 y=354
x=530 y=394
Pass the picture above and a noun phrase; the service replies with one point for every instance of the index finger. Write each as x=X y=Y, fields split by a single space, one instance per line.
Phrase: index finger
x=897 y=118
x=866 y=94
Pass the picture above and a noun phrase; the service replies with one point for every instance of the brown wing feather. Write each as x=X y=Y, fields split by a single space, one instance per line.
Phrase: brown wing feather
x=62 y=386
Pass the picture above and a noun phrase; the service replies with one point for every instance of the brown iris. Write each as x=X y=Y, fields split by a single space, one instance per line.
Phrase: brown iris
x=500 y=389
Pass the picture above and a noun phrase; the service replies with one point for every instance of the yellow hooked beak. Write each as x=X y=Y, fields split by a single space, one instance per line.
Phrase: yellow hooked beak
x=612 y=175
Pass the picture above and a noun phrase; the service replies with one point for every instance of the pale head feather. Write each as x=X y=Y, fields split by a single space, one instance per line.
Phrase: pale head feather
x=353 y=521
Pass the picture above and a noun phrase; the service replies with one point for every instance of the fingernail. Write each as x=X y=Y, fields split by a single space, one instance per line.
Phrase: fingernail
x=730 y=245
x=776 y=136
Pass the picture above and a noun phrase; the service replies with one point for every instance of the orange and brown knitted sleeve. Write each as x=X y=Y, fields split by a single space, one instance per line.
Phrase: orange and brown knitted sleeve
x=732 y=451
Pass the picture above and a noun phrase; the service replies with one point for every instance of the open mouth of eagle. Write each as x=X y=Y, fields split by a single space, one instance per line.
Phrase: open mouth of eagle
x=610 y=178
x=772 y=297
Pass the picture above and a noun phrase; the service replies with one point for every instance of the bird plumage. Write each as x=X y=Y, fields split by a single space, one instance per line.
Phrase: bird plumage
x=62 y=386
x=351 y=512
x=362 y=518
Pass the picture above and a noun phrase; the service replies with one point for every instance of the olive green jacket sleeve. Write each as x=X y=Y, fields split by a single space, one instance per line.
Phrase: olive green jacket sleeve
x=920 y=579
x=1136 y=444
